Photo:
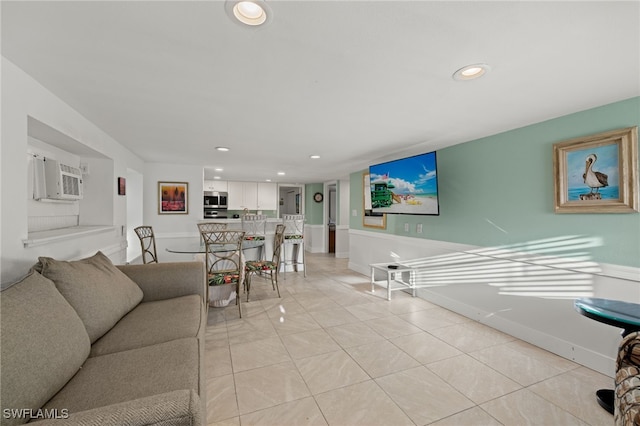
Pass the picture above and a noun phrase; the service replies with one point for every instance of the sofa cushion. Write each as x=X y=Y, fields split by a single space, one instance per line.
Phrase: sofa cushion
x=137 y=373
x=44 y=343
x=154 y=322
x=97 y=290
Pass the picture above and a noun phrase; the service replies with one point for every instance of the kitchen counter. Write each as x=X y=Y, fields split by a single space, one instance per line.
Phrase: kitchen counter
x=236 y=224
x=238 y=220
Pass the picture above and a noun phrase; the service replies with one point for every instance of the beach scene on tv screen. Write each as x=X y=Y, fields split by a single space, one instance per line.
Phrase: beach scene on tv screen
x=408 y=185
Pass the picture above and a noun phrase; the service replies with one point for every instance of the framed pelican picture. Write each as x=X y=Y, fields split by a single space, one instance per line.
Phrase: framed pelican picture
x=597 y=173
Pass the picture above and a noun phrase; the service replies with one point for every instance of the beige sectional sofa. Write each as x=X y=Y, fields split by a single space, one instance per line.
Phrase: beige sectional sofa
x=86 y=342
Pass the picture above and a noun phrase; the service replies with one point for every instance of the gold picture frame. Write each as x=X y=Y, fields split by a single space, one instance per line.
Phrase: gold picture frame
x=597 y=173
x=173 y=198
x=370 y=219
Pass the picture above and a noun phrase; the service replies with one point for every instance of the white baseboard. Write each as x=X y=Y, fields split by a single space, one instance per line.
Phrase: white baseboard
x=544 y=320
x=581 y=355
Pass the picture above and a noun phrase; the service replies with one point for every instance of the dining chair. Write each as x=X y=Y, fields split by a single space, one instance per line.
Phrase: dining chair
x=262 y=266
x=147 y=243
x=224 y=261
x=294 y=237
x=211 y=227
x=254 y=226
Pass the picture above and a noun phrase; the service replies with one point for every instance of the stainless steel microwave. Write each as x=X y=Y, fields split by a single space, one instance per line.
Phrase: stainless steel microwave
x=216 y=200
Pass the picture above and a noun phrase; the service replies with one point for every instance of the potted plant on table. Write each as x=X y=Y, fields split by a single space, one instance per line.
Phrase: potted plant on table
x=222 y=288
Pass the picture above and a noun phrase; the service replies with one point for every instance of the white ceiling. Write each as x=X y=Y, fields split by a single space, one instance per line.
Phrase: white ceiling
x=356 y=82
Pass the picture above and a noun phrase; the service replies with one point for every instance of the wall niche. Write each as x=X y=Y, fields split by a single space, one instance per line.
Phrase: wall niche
x=54 y=220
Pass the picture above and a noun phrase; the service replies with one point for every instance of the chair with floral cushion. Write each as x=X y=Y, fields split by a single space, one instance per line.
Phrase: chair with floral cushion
x=211 y=227
x=147 y=243
x=254 y=227
x=262 y=266
x=223 y=260
x=294 y=237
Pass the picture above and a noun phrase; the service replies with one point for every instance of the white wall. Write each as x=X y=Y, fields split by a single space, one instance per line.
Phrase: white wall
x=342 y=229
x=135 y=210
x=23 y=97
x=173 y=224
x=550 y=323
x=172 y=228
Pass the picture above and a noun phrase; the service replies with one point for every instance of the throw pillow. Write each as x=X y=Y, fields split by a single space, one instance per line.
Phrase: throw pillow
x=43 y=344
x=100 y=293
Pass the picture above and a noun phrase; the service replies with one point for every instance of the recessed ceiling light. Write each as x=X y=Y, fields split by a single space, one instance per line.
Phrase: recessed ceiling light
x=249 y=12
x=219 y=169
x=222 y=148
x=267 y=180
x=281 y=173
x=471 y=71
x=216 y=177
x=315 y=157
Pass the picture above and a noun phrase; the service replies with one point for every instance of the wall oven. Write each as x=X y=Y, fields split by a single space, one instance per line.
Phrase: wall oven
x=210 y=213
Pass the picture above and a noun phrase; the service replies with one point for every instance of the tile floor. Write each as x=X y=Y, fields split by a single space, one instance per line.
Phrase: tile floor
x=331 y=353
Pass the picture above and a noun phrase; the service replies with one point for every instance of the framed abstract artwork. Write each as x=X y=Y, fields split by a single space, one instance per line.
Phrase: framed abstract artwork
x=173 y=198
x=122 y=186
x=597 y=173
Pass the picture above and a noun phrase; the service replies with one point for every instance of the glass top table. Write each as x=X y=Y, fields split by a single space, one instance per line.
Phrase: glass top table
x=624 y=315
x=195 y=246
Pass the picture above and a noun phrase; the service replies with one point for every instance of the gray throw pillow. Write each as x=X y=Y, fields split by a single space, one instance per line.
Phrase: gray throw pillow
x=43 y=344
x=99 y=292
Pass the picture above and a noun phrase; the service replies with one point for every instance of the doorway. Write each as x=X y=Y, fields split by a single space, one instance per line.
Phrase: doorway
x=331 y=215
x=290 y=199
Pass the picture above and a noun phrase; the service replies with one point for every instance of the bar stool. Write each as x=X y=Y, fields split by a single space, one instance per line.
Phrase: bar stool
x=294 y=237
x=254 y=227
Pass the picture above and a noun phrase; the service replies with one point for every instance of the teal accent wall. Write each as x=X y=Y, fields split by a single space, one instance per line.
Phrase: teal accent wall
x=498 y=190
x=313 y=211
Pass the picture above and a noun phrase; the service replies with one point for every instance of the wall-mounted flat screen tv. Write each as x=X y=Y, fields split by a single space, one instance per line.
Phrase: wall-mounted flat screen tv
x=407 y=186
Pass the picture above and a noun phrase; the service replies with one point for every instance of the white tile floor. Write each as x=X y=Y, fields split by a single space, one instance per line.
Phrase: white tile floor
x=330 y=353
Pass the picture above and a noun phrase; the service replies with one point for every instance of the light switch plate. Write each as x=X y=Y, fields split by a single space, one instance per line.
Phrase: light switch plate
x=419 y=228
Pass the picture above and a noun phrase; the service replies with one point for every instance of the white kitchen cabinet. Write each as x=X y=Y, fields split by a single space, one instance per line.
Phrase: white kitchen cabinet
x=267 y=196
x=252 y=195
x=242 y=195
x=216 y=185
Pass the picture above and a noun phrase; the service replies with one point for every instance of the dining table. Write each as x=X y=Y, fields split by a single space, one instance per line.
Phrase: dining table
x=617 y=313
x=196 y=246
